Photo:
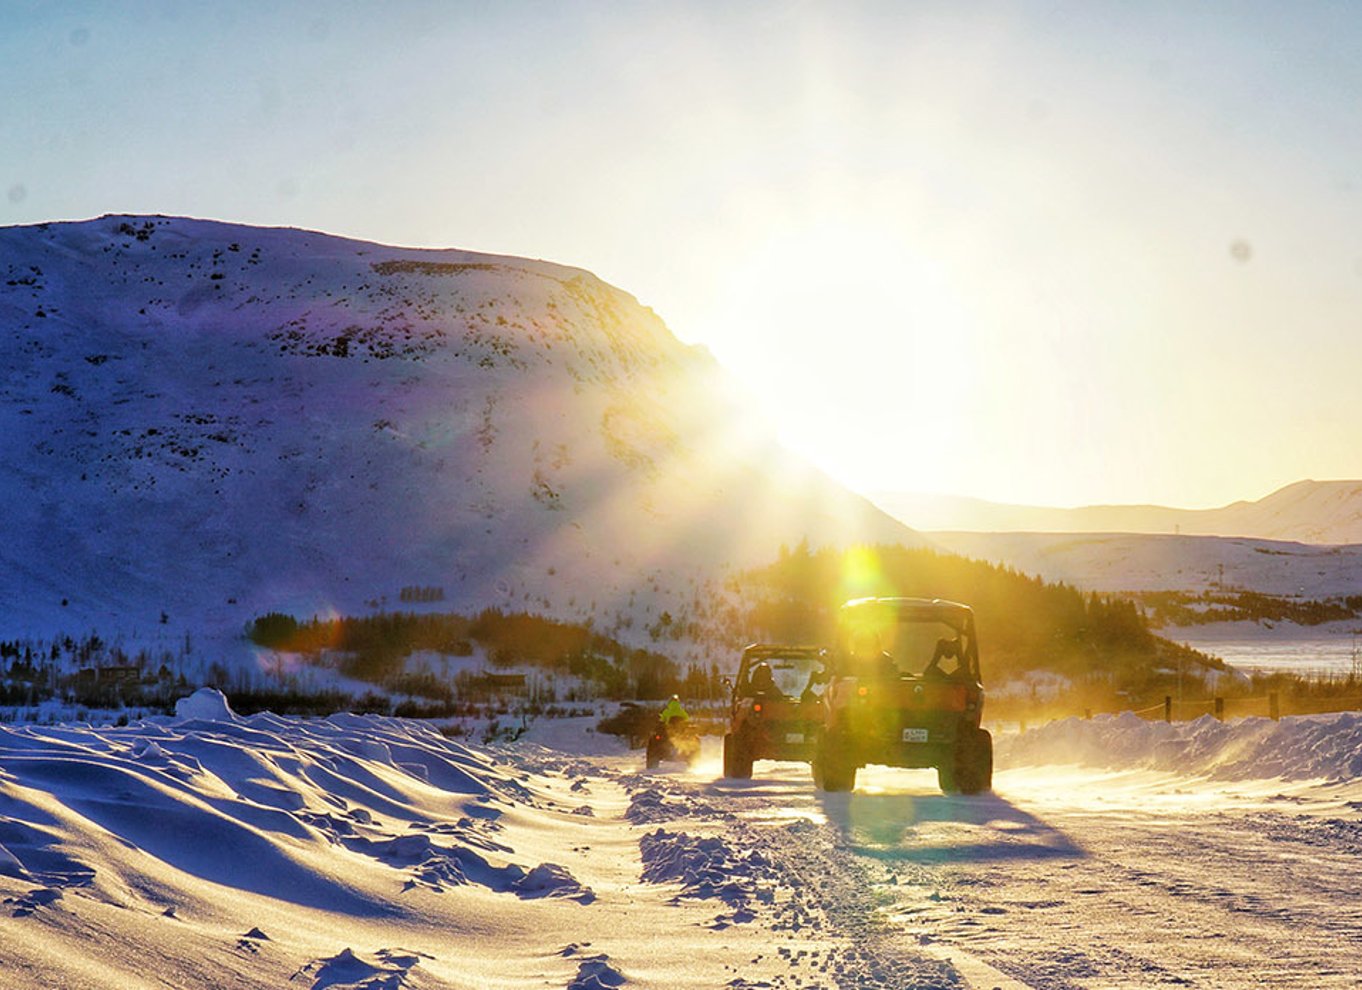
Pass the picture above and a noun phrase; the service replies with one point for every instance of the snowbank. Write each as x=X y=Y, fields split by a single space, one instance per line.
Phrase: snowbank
x=1304 y=747
x=206 y=703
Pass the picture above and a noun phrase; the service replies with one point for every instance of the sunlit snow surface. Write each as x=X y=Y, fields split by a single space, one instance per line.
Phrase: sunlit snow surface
x=213 y=850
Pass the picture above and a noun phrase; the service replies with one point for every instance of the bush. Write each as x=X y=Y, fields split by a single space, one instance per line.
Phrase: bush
x=632 y=722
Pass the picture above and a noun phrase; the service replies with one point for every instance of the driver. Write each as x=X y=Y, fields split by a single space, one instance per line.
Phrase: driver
x=673 y=712
x=763 y=681
x=867 y=655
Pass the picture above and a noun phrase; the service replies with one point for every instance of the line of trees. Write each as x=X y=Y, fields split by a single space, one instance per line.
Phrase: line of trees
x=1180 y=608
x=375 y=649
x=1023 y=622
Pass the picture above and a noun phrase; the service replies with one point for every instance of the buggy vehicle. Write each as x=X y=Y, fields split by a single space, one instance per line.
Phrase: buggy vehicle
x=775 y=712
x=904 y=691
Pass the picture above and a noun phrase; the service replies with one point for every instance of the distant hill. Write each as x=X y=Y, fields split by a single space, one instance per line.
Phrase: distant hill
x=203 y=422
x=1317 y=512
x=1111 y=562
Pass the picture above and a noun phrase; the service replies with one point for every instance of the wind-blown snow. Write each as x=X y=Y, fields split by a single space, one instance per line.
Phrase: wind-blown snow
x=1303 y=747
x=208 y=849
x=208 y=816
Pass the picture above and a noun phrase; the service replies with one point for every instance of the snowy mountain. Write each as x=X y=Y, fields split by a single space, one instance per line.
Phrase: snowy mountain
x=1113 y=562
x=201 y=422
x=1324 y=512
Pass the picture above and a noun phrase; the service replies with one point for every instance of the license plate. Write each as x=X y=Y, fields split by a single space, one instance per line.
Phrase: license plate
x=794 y=737
x=914 y=735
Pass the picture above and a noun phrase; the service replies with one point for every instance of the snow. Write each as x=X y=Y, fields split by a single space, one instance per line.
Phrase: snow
x=206 y=703
x=1317 y=512
x=202 y=422
x=209 y=849
x=1305 y=747
x=1113 y=562
x=576 y=735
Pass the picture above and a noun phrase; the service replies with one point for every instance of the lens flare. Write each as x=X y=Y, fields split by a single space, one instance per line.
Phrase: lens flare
x=862 y=575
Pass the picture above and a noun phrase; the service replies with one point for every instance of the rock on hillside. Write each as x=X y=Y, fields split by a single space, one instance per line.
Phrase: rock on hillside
x=200 y=422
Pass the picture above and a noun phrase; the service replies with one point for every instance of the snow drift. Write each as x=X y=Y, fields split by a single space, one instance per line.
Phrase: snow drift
x=370 y=853
x=211 y=849
x=1303 y=747
x=285 y=832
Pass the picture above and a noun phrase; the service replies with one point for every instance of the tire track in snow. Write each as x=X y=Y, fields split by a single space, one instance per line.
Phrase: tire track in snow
x=796 y=878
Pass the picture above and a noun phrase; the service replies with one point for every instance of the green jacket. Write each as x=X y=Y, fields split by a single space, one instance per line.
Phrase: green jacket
x=673 y=710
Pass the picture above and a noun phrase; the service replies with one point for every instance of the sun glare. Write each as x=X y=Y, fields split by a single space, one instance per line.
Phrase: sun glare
x=856 y=345
x=862 y=575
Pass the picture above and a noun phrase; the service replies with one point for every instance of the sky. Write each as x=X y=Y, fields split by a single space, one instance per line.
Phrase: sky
x=1055 y=253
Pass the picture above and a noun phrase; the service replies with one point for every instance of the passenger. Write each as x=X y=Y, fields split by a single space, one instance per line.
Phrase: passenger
x=946 y=649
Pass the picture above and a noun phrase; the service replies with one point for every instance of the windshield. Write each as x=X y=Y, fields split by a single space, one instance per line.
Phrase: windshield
x=907 y=648
x=791 y=674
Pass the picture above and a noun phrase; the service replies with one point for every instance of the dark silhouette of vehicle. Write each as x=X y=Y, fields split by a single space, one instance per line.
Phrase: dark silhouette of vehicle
x=904 y=690
x=673 y=736
x=775 y=712
x=674 y=742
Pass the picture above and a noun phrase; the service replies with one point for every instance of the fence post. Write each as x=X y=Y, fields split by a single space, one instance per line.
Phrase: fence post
x=1274 y=708
x=1168 y=708
x=1220 y=709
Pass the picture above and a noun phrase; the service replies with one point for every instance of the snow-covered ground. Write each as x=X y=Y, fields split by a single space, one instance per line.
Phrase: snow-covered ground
x=1116 y=562
x=1315 y=512
x=209 y=850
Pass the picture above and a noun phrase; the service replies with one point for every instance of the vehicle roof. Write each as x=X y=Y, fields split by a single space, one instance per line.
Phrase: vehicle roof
x=775 y=650
x=920 y=609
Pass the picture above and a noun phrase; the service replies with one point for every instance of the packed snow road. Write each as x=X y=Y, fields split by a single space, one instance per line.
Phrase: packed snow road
x=1070 y=877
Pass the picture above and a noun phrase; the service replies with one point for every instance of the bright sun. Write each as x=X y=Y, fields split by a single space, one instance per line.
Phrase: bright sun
x=858 y=348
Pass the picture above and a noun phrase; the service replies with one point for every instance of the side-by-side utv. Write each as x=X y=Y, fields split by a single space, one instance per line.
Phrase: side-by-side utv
x=904 y=690
x=775 y=710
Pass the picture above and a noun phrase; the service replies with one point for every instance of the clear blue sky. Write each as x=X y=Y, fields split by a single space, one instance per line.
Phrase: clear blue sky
x=1043 y=252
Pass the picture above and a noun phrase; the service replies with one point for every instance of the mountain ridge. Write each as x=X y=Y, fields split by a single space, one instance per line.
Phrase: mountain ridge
x=206 y=421
x=1307 y=511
